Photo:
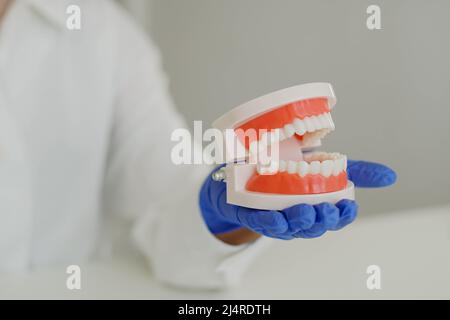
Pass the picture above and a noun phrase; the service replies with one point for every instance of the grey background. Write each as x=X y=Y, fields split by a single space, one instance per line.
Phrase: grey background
x=392 y=84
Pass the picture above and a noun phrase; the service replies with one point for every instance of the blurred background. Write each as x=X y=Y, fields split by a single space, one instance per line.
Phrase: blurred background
x=392 y=84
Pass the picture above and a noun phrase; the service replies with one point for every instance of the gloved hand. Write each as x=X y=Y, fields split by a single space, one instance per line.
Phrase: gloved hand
x=299 y=221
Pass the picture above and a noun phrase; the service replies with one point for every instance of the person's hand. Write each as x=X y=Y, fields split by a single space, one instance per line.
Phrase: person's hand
x=299 y=221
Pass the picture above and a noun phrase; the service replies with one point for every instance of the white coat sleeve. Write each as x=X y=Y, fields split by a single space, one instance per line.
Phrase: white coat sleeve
x=142 y=182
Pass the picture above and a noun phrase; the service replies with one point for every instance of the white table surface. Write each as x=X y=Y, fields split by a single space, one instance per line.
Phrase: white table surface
x=412 y=248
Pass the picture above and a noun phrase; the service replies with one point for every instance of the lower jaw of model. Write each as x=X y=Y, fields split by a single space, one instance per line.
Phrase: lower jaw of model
x=296 y=127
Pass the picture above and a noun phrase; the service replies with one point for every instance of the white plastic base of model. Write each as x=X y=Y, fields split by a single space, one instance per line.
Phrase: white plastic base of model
x=237 y=176
x=234 y=149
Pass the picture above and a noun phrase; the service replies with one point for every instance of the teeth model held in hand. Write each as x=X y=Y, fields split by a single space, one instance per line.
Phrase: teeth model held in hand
x=295 y=120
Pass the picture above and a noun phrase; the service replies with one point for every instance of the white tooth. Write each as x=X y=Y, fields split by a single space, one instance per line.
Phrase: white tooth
x=338 y=165
x=299 y=126
x=335 y=155
x=289 y=130
x=312 y=137
x=345 y=163
x=325 y=132
x=292 y=166
x=323 y=120
x=314 y=167
x=303 y=168
x=316 y=122
x=321 y=156
x=283 y=166
x=326 y=168
x=270 y=169
x=309 y=124
x=319 y=134
x=330 y=122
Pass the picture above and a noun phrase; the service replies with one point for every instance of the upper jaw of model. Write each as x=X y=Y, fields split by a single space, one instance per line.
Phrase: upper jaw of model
x=293 y=120
x=308 y=121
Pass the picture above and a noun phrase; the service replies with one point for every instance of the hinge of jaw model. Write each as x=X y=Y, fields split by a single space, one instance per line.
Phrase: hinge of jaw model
x=269 y=147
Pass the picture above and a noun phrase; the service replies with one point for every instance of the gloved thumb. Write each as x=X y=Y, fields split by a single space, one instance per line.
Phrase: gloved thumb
x=366 y=174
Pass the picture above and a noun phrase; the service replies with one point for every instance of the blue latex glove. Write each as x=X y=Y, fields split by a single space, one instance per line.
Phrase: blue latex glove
x=299 y=221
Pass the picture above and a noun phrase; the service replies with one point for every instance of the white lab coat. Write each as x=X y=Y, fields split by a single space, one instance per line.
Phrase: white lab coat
x=85 y=125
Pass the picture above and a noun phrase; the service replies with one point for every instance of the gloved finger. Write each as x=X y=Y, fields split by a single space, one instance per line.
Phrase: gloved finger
x=270 y=223
x=279 y=236
x=300 y=217
x=370 y=175
x=327 y=218
x=315 y=231
x=327 y=214
x=348 y=210
x=218 y=196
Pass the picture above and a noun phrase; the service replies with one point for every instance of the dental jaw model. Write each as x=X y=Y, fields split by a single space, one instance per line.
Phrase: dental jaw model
x=270 y=147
